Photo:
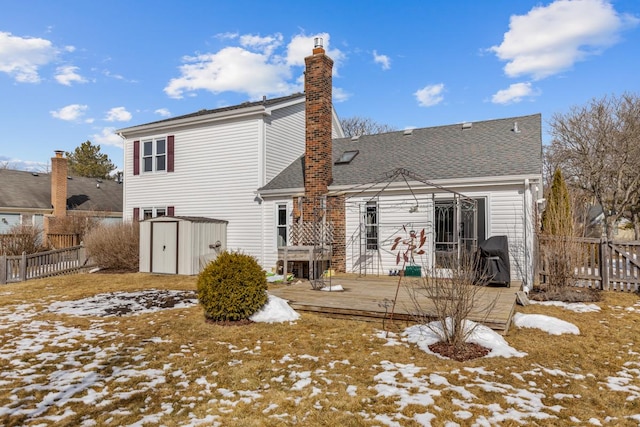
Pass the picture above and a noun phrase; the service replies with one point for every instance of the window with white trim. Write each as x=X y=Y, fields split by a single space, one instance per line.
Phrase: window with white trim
x=154 y=155
x=148 y=213
x=281 y=225
x=371 y=225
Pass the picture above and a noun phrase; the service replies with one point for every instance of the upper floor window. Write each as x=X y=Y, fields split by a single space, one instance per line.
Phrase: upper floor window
x=154 y=155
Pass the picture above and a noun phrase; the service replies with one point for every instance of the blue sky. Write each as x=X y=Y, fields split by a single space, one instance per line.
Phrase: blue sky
x=72 y=71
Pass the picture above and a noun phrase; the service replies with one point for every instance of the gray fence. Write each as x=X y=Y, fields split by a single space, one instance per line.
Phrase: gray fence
x=606 y=265
x=43 y=264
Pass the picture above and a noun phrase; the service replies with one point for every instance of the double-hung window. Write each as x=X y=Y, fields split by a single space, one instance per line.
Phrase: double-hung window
x=282 y=225
x=154 y=155
x=148 y=213
x=371 y=225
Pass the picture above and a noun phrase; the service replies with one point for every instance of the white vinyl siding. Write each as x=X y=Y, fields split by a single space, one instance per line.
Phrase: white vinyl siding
x=285 y=139
x=218 y=169
x=504 y=216
x=394 y=212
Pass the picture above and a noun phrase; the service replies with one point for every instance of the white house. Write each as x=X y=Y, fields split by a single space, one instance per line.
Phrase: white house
x=211 y=164
x=460 y=183
x=283 y=175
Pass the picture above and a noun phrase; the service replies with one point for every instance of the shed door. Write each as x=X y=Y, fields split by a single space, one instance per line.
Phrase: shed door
x=164 y=247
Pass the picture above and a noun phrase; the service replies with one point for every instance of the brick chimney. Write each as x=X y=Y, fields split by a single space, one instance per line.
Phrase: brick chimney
x=318 y=108
x=59 y=172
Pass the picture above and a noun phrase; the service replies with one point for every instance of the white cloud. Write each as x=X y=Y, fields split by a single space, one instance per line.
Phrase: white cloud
x=21 y=57
x=430 y=95
x=339 y=94
x=163 y=112
x=382 y=60
x=264 y=44
x=300 y=47
x=260 y=65
x=70 y=113
x=550 y=39
x=107 y=136
x=514 y=93
x=67 y=74
x=227 y=36
x=118 y=114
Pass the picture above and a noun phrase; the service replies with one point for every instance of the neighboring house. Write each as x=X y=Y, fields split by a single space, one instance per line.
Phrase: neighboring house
x=211 y=164
x=29 y=198
x=282 y=180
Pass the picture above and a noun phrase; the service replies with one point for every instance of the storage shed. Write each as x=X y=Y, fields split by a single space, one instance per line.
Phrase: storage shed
x=180 y=245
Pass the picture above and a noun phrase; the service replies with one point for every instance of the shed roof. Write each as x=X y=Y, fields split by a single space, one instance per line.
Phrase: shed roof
x=491 y=148
x=200 y=219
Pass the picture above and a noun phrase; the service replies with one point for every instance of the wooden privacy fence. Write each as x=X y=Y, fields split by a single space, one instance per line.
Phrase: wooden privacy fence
x=598 y=264
x=63 y=240
x=43 y=264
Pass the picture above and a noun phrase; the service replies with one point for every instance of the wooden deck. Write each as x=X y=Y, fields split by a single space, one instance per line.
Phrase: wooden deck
x=364 y=298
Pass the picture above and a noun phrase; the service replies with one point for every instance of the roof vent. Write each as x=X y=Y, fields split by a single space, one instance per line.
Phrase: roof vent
x=408 y=132
x=516 y=129
x=35 y=174
x=355 y=137
x=466 y=125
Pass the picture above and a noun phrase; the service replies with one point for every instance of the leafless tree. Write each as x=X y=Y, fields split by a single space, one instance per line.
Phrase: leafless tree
x=451 y=296
x=598 y=148
x=356 y=126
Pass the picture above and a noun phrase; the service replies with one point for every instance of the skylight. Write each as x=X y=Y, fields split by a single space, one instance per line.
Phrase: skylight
x=347 y=157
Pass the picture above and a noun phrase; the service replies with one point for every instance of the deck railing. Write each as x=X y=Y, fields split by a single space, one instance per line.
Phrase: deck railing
x=42 y=264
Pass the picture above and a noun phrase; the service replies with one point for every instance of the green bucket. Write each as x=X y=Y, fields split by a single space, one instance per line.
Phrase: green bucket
x=413 y=271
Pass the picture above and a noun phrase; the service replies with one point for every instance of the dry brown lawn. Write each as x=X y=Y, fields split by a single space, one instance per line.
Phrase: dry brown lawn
x=172 y=368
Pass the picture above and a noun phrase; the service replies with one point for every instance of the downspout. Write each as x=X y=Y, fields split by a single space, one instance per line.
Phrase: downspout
x=124 y=178
x=527 y=252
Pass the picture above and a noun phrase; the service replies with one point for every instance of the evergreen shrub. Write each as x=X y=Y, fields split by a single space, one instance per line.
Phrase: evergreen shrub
x=232 y=287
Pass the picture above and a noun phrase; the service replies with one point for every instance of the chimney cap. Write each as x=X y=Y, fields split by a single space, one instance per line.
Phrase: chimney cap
x=59 y=153
x=317 y=43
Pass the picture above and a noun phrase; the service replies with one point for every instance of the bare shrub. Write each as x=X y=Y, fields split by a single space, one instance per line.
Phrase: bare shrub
x=79 y=224
x=453 y=295
x=114 y=246
x=21 y=238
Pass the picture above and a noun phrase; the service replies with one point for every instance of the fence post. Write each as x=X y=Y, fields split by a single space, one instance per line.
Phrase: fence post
x=3 y=269
x=82 y=256
x=23 y=267
x=604 y=264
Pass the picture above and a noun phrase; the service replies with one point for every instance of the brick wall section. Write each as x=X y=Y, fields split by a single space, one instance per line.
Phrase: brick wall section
x=336 y=214
x=317 y=156
x=59 y=172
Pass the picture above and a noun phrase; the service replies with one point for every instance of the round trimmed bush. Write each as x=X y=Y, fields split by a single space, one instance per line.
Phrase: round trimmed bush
x=232 y=287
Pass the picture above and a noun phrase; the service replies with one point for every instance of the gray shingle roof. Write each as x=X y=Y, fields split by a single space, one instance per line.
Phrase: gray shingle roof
x=20 y=189
x=486 y=149
x=266 y=103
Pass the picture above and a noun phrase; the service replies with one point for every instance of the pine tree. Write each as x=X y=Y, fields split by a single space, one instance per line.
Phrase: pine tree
x=87 y=160
x=557 y=219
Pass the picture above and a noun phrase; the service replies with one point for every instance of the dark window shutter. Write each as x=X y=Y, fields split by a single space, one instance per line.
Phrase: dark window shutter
x=136 y=214
x=170 y=157
x=136 y=158
x=171 y=210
